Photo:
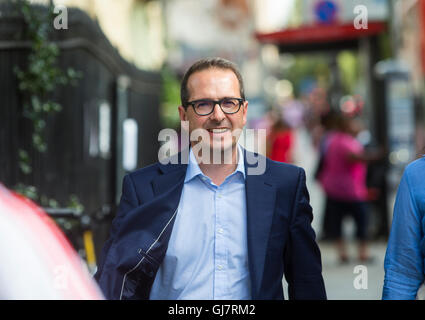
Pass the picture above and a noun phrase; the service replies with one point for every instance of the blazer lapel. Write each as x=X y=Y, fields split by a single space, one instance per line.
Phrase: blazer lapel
x=167 y=181
x=172 y=174
x=260 y=200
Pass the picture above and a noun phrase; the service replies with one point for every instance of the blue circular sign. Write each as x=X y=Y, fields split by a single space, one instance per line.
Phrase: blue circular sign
x=326 y=11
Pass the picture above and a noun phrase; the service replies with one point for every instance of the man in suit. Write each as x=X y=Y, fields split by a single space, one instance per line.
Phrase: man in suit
x=208 y=229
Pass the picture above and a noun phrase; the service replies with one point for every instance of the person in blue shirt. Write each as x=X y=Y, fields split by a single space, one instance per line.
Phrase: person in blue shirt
x=208 y=227
x=404 y=259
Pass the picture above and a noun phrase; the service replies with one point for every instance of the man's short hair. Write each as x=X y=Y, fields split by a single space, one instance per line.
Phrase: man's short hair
x=204 y=64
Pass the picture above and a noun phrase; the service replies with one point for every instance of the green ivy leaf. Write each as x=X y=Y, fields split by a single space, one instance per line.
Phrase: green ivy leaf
x=25 y=168
x=74 y=203
x=23 y=155
x=27 y=191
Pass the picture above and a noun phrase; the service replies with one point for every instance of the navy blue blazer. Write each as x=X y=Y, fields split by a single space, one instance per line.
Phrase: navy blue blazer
x=281 y=240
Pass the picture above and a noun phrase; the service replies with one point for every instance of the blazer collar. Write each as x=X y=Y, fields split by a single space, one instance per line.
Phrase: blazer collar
x=173 y=172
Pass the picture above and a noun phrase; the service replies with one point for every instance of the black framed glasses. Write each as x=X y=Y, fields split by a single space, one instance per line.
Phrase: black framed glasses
x=204 y=107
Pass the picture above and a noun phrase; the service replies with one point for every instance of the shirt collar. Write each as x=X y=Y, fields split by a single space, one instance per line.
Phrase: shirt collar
x=193 y=169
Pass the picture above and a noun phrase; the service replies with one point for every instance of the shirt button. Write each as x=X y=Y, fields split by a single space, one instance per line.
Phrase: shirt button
x=219 y=267
x=220 y=230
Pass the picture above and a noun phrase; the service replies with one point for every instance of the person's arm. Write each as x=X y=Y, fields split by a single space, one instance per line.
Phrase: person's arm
x=128 y=201
x=303 y=265
x=366 y=156
x=403 y=260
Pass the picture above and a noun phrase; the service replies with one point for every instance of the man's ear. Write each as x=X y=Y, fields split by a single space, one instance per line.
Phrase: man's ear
x=182 y=113
x=245 y=111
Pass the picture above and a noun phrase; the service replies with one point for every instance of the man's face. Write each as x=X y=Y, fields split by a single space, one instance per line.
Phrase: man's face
x=215 y=84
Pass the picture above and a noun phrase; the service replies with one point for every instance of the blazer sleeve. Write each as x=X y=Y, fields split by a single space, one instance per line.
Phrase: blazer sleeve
x=303 y=266
x=128 y=201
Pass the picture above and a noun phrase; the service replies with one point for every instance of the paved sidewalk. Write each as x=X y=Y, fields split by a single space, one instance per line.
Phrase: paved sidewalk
x=339 y=279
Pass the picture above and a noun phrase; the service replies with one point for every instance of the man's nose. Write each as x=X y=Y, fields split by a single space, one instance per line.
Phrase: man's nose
x=217 y=114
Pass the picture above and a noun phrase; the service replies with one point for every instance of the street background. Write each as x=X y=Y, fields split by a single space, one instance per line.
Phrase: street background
x=87 y=85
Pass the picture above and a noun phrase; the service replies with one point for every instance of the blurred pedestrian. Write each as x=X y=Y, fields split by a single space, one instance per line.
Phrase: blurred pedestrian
x=329 y=123
x=404 y=259
x=280 y=141
x=343 y=177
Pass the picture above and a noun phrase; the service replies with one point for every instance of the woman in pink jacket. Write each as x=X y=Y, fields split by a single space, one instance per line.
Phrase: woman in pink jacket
x=343 y=178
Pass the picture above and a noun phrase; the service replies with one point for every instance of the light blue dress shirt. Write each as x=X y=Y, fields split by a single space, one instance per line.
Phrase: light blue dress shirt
x=207 y=255
x=404 y=259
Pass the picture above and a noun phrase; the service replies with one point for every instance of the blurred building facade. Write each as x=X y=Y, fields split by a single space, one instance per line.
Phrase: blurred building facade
x=409 y=48
x=134 y=27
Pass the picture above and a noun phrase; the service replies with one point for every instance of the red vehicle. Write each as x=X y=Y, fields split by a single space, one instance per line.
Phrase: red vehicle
x=38 y=262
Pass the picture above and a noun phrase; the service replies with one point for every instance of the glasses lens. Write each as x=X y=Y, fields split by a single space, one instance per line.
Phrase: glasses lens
x=230 y=105
x=203 y=107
